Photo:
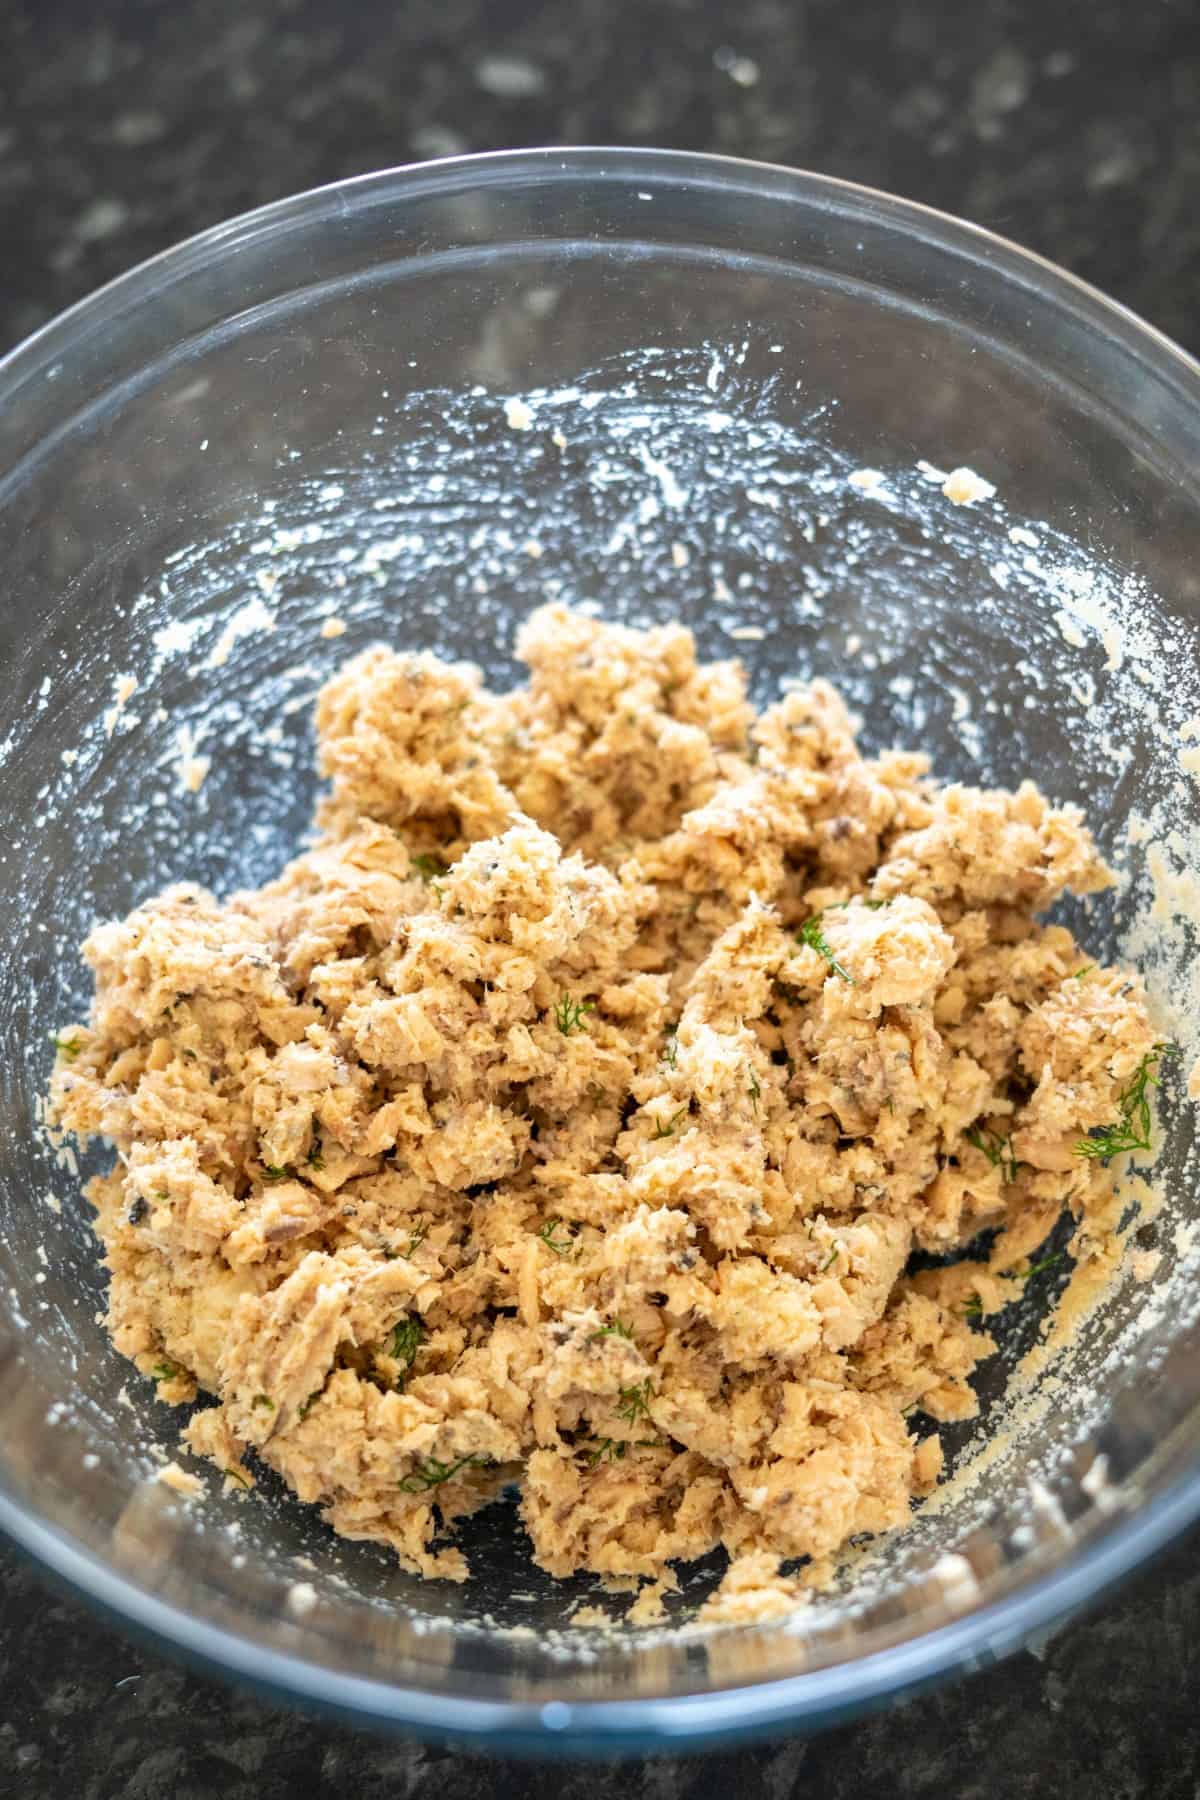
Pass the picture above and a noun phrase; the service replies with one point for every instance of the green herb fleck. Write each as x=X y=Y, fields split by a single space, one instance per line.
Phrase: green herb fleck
x=263 y=1400
x=812 y=935
x=428 y=866
x=754 y=1090
x=273 y=1172
x=560 y=1246
x=68 y=1048
x=1080 y=973
x=315 y=1159
x=308 y=1405
x=1046 y=1262
x=429 y=1473
x=407 y=1339
x=604 y=1450
x=667 y=1130
x=167 y=1371
x=240 y=1476
x=829 y=1260
x=973 y=1308
x=569 y=1013
x=998 y=1150
x=635 y=1402
x=416 y=1240
x=672 y=1049
x=1131 y=1129
x=616 y=1329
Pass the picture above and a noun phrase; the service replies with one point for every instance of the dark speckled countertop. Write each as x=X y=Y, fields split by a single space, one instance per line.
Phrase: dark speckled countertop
x=1075 y=130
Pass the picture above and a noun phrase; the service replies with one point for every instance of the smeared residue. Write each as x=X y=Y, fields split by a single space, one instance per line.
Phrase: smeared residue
x=252 y=616
x=429 y=543
x=124 y=687
x=192 y=767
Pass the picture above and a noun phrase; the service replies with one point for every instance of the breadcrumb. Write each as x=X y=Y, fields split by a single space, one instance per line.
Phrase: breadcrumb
x=182 y=1480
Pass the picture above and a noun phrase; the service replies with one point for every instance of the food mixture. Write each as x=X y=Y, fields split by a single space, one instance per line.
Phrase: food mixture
x=569 y=1115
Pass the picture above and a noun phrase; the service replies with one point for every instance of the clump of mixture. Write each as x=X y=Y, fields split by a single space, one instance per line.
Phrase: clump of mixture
x=570 y=1114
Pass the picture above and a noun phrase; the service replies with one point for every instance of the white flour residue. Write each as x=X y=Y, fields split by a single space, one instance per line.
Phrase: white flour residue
x=1070 y=630
x=673 y=495
x=957 y=1579
x=176 y=637
x=192 y=767
x=1097 y=1486
x=518 y=415
x=253 y=616
x=124 y=687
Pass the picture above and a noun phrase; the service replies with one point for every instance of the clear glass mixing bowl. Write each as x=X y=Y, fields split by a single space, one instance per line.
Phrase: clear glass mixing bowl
x=305 y=412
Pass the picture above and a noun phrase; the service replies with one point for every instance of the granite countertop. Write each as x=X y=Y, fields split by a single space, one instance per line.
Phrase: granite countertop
x=1075 y=131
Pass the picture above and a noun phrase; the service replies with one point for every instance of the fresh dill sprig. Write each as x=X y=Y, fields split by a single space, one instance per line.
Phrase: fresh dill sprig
x=667 y=1130
x=560 y=1246
x=1131 y=1129
x=606 y=1449
x=830 y=1259
x=635 y=1402
x=68 y=1048
x=1045 y=1262
x=569 y=1013
x=429 y=1473
x=416 y=1240
x=998 y=1150
x=616 y=1329
x=973 y=1308
x=407 y=1339
x=273 y=1172
x=603 y=1450
x=812 y=935
x=428 y=866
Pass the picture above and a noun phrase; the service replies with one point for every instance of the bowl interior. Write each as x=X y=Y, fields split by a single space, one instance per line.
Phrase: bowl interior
x=308 y=418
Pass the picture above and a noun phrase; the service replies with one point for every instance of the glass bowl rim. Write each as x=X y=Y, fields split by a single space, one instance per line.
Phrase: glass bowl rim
x=723 y=1715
